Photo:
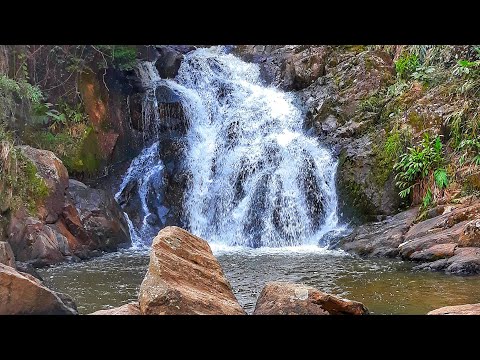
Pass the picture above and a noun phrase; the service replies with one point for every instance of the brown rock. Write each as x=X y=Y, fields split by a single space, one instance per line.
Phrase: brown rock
x=380 y=238
x=434 y=252
x=127 y=309
x=35 y=242
x=52 y=170
x=431 y=238
x=20 y=294
x=470 y=235
x=6 y=254
x=101 y=217
x=468 y=309
x=281 y=298
x=185 y=278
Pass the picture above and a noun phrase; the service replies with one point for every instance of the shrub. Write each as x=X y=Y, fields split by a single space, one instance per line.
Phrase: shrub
x=406 y=65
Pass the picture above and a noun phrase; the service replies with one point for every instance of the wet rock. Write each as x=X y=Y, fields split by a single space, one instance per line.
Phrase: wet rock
x=6 y=254
x=380 y=238
x=185 y=278
x=52 y=170
x=127 y=309
x=27 y=269
x=468 y=309
x=100 y=215
x=168 y=62
x=466 y=261
x=20 y=294
x=281 y=298
x=435 y=252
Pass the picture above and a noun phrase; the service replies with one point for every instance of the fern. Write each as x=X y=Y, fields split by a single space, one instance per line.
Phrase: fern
x=441 y=178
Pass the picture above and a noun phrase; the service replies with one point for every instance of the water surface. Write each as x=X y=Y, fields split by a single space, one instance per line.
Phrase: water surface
x=384 y=286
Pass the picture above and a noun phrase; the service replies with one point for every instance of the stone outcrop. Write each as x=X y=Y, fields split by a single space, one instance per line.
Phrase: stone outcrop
x=282 y=298
x=445 y=241
x=185 y=278
x=468 y=309
x=127 y=309
x=23 y=294
x=73 y=222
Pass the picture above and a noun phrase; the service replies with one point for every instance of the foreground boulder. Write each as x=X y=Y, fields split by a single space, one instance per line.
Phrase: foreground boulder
x=127 y=309
x=282 y=298
x=24 y=295
x=468 y=309
x=185 y=278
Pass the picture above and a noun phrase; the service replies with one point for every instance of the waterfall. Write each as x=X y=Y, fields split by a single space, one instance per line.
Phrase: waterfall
x=255 y=177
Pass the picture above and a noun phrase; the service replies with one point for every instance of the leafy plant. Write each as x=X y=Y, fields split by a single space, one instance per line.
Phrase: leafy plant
x=427 y=199
x=417 y=164
x=471 y=147
x=406 y=65
x=423 y=74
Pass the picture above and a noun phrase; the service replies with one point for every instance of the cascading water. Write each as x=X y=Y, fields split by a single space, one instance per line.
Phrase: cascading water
x=256 y=179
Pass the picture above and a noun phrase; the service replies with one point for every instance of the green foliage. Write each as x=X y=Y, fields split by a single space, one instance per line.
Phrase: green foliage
x=372 y=103
x=406 y=65
x=441 y=178
x=20 y=184
x=424 y=74
x=471 y=151
x=417 y=163
x=427 y=199
x=397 y=88
x=123 y=57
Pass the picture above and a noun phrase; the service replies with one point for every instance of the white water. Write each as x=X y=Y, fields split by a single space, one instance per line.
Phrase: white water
x=256 y=178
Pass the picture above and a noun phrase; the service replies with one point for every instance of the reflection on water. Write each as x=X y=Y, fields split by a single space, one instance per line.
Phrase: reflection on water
x=384 y=286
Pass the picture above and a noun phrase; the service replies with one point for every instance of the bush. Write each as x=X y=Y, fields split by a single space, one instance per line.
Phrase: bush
x=420 y=162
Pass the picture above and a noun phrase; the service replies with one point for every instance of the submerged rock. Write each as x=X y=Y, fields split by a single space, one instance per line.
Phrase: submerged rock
x=282 y=298
x=468 y=309
x=23 y=294
x=185 y=278
x=127 y=309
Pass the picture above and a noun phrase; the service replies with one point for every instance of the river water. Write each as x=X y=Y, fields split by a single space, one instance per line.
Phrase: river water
x=384 y=286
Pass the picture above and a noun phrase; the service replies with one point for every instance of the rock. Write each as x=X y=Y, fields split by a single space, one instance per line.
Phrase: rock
x=168 y=62
x=52 y=170
x=434 y=252
x=185 y=278
x=281 y=298
x=127 y=309
x=465 y=261
x=6 y=254
x=36 y=242
x=470 y=235
x=468 y=309
x=22 y=295
x=27 y=269
x=100 y=215
x=380 y=238
x=147 y=53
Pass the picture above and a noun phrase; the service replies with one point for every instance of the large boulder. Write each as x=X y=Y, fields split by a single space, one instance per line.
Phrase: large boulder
x=468 y=309
x=379 y=238
x=24 y=295
x=282 y=298
x=185 y=278
x=55 y=175
x=37 y=243
x=168 y=62
x=127 y=309
x=100 y=215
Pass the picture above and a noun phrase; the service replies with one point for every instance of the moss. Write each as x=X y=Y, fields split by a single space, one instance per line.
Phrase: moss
x=35 y=186
x=416 y=121
x=355 y=48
